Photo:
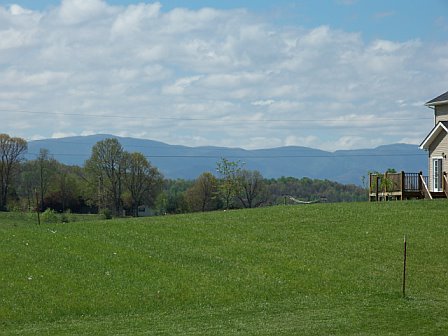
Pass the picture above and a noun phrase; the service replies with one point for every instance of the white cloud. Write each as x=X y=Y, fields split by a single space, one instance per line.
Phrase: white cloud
x=352 y=142
x=133 y=19
x=57 y=135
x=180 y=85
x=264 y=142
x=89 y=132
x=307 y=141
x=12 y=38
x=263 y=102
x=74 y=12
x=36 y=137
x=236 y=75
x=17 y=10
x=411 y=140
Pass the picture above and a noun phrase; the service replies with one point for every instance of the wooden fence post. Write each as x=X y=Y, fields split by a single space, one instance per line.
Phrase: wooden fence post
x=404 y=268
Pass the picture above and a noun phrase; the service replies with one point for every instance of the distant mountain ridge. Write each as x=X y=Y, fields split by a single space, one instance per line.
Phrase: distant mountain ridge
x=175 y=161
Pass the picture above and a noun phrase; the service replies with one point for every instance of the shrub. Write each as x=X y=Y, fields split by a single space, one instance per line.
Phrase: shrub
x=49 y=216
x=65 y=217
x=106 y=214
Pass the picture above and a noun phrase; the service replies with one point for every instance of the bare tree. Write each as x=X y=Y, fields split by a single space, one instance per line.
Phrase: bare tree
x=252 y=188
x=11 y=150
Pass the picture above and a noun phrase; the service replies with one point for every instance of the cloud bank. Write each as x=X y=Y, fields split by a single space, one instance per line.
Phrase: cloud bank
x=210 y=77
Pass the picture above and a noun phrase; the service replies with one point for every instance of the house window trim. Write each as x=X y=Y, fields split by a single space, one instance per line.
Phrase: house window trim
x=433 y=158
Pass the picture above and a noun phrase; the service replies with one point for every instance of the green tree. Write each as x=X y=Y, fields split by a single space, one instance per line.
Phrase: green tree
x=28 y=184
x=173 y=200
x=229 y=183
x=66 y=190
x=11 y=150
x=202 y=196
x=161 y=203
x=46 y=167
x=142 y=181
x=177 y=203
x=312 y=190
x=106 y=167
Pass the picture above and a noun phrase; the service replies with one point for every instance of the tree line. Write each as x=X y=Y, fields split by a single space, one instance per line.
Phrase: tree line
x=117 y=182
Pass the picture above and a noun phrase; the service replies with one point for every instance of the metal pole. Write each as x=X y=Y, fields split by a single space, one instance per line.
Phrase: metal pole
x=37 y=207
x=404 y=268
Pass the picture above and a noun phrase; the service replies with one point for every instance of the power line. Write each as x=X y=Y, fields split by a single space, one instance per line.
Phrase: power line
x=118 y=116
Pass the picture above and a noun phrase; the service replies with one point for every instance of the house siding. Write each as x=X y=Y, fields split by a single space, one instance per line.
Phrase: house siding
x=441 y=113
x=438 y=149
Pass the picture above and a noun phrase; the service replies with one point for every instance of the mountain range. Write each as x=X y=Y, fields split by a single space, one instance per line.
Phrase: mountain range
x=175 y=161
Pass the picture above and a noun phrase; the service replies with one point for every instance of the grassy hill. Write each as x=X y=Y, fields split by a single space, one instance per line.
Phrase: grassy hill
x=324 y=269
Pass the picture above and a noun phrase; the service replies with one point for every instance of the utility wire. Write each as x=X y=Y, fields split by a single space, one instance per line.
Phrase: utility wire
x=117 y=116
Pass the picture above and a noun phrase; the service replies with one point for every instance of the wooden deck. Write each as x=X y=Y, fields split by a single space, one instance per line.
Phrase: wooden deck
x=400 y=186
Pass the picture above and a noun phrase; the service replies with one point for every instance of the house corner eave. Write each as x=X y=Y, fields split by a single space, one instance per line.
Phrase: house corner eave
x=437 y=103
x=441 y=126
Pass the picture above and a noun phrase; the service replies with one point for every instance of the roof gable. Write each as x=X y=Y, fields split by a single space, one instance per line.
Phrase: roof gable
x=440 y=100
x=441 y=126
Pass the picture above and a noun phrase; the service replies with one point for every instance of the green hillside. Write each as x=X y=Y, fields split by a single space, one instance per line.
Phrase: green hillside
x=324 y=269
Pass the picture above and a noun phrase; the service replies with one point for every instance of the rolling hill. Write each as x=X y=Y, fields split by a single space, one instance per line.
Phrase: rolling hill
x=324 y=269
x=174 y=161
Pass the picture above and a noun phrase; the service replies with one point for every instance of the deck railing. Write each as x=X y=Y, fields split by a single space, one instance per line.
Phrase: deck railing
x=401 y=185
x=412 y=181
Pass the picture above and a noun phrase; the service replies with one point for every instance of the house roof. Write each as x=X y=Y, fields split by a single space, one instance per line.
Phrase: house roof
x=440 y=100
x=440 y=127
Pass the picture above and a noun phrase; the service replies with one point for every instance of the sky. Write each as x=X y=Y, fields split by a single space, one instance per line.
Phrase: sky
x=326 y=74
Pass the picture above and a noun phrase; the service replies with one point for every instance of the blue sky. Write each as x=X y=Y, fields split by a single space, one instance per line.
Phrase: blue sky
x=397 y=19
x=329 y=74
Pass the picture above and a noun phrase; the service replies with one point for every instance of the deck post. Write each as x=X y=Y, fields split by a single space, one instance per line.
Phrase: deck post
x=402 y=184
x=443 y=182
x=420 y=184
x=377 y=188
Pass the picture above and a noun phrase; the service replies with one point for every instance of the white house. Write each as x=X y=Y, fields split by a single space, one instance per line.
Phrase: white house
x=145 y=211
x=436 y=144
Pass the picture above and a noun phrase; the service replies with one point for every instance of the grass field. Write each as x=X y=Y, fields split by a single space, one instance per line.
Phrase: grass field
x=324 y=269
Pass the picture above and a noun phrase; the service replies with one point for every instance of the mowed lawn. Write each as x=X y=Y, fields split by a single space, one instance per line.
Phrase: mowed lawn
x=323 y=269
